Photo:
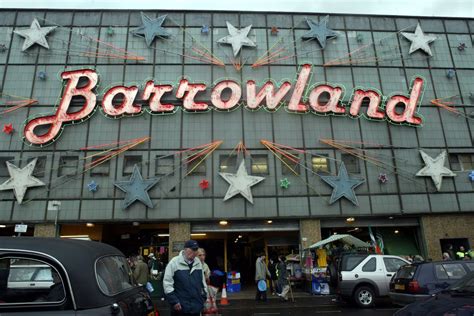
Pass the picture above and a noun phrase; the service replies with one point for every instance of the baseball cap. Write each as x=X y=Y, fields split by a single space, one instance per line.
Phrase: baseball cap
x=191 y=244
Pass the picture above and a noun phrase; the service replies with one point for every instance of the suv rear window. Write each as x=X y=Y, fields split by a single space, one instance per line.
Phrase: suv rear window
x=406 y=272
x=113 y=275
x=350 y=262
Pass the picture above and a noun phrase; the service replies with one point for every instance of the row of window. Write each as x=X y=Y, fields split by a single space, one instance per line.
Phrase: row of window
x=166 y=165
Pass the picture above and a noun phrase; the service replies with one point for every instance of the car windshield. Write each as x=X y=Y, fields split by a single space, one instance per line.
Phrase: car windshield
x=466 y=284
x=113 y=275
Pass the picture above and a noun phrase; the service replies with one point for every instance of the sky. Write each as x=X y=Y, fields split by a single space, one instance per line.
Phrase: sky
x=438 y=8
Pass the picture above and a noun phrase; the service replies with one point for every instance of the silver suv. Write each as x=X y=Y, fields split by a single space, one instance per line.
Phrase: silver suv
x=362 y=277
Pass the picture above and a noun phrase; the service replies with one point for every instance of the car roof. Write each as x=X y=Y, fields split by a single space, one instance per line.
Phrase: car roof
x=78 y=257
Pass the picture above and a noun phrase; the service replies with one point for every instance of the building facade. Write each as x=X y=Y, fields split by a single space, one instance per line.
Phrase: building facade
x=100 y=98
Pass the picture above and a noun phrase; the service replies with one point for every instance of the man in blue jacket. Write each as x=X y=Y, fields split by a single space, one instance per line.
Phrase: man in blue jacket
x=184 y=283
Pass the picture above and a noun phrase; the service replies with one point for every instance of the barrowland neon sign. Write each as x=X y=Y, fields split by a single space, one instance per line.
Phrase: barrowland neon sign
x=396 y=108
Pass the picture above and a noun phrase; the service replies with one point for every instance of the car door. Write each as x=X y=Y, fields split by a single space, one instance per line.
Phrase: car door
x=390 y=266
x=371 y=269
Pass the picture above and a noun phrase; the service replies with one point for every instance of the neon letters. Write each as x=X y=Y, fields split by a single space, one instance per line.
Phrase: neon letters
x=226 y=95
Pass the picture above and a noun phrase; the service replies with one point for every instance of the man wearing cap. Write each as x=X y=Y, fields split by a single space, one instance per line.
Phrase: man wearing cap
x=184 y=282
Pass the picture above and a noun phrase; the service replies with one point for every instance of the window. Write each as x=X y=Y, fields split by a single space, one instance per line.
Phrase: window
x=260 y=164
x=461 y=162
x=29 y=281
x=449 y=271
x=164 y=165
x=290 y=162
x=349 y=262
x=320 y=164
x=393 y=264
x=351 y=163
x=197 y=166
x=68 y=165
x=129 y=163
x=102 y=168
x=370 y=265
x=40 y=166
x=227 y=163
x=3 y=166
x=113 y=275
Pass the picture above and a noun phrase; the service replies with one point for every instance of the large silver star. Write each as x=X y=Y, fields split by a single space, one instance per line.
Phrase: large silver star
x=435 y=168
x=136 y=188
x=240 y=182
x=319 y=31
x=419 y=40
x=343 y=185
x=237 y=38
x=35 y=35
x=21 y=179
x=151 y=28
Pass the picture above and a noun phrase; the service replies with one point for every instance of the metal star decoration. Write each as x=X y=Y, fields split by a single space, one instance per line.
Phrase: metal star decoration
x=319 y=31
x=93 y=186
x=151 y=28
x=419 y=40
x=343 y=185
x=21 y=179
x=237 y=38
x=383 y=178
x=8 y=129
x=435 y=168
x=240 y=183
x=285 y=183
x=471 y=175
x=136 y=188
x=204 y=184
x=35 y=35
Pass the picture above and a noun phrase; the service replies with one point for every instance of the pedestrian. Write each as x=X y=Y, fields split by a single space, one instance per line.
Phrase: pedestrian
x=207 y=272
x=273 y=276
x=283 y=278
x=461 y=253
x=261 y=273
x=446 y=256
x=450 y=251
x=184 y=283
x=140 y=273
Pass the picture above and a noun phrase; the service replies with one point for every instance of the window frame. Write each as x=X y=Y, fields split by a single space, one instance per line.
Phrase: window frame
x=370 y=261
x=126 y=161
x=254 y=165
x=457 y=163
x=296 y=166
x=163 y=158
x=96 y=171
x=229 y=161
x=3 y=162
x=201 y=170
x=349 y=166
x=64 y=164
x=319 y=170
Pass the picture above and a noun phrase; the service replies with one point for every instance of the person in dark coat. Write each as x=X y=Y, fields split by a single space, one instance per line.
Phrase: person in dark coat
x=283 y=278
x=273 y=276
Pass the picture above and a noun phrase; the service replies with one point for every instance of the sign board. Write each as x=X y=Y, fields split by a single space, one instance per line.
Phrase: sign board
x=178 y=246
x=20 y=228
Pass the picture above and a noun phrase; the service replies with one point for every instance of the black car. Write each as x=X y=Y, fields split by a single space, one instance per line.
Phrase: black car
x=418 y=281
x=458 y=299
x=51 y=276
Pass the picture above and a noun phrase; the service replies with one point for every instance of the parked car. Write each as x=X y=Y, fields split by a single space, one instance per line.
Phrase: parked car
x=419 y=281
x=363 y=277
x=86 y=278
x=455 y=300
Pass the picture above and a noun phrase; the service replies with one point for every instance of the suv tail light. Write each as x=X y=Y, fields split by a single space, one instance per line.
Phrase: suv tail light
x=414 y=287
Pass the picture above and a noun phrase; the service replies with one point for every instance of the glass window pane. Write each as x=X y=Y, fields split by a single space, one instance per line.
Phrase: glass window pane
x=101 y=166
x=320 y=164
x=260 y=164
x=164 y=165
x=289 y=161
x=370 y=265
x=196 y=165
x=351 y=163
x=129 y=163
x=114 y=275
x=227 y=163
x=68 y=165
x=3 y=166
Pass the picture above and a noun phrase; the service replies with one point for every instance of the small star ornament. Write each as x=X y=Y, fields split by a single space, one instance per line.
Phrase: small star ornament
x=240 y=183
x=383 y=178
x=136 y=189
x=8 y=129
x=151 y=28
x=204 y=184
x=434 y=168
x=319 y=31
x=343 y=185
x=21 y=179
x=471 y=175
x=419 y=40
x=237 y=38
x=35 y=35
x=285 y=183
x=93 y=186
x=205 y=29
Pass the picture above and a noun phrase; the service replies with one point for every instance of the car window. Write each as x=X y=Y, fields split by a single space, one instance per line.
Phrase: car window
x=370 y=266
x=350 y=262
x=393 y=264
x=29 y=281
x=407 y=272
x=449 y=271
x=470 y=265
x=113 y=275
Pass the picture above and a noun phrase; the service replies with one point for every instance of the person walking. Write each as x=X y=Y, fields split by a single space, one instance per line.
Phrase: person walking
x=261 y=273
x=273 y=276
x=140 y=273
x=184 y=283
x=283 y=279
x=205 y=268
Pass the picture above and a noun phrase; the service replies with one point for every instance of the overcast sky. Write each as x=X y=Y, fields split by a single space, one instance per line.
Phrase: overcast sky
x=447 y=8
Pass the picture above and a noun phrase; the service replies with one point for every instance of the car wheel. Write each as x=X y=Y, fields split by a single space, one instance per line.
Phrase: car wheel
x=364 y=296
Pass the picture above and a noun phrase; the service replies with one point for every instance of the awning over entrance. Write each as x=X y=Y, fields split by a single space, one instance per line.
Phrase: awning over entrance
x=247 y=226
x=346 y=238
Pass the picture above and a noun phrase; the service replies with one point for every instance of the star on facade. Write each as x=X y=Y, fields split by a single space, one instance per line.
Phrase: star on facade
x=343 y=185
x=92 y=186
x=435 y=168
x=151 y=28
x=419 y=40
x=8 y=129
x=21 y=179
x=240 y=183
x=35 y=35
x=237 y=38
x=136 y=188
x=319 y=31
x=471 y=175
x=285 y=183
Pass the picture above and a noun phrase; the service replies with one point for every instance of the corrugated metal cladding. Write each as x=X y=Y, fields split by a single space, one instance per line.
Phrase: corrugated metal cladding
x=380 y=60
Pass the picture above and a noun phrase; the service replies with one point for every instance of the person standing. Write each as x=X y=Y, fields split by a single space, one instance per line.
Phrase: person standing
x=273 y=276
x=461 y=253
x=451 y=252
x=140 y=273
x=205 y=268
x=283 y=278
x=261 y=273
x=184 y=283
